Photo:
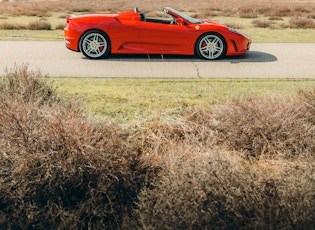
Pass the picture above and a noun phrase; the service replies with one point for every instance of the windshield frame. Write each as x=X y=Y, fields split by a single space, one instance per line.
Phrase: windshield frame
x=191 y=20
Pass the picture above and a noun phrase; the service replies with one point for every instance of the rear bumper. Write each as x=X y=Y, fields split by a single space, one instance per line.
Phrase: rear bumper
x=71 y=40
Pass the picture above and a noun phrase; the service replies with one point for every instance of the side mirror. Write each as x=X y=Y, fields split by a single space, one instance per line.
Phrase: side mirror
x=179 y=21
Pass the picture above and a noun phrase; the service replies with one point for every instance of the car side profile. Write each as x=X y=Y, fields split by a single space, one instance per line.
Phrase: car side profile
x=98 y=35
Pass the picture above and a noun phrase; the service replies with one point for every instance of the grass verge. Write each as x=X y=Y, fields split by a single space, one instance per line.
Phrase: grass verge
x=134 y=100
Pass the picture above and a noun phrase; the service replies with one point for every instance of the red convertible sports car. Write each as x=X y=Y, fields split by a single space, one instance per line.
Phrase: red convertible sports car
x=100 y=34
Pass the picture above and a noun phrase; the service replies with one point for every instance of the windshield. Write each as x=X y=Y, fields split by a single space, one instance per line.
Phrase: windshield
x=169 y=10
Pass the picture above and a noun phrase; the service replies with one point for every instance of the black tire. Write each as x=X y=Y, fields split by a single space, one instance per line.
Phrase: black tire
x=95 y=44
x=211 y=46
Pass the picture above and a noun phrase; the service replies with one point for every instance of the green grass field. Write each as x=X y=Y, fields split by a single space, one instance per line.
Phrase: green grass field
x=128 y=101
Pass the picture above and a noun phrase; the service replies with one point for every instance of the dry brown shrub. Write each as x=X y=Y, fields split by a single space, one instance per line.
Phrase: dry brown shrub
x=191 y=131
x=58 y=170
x=38 y=13
x=12 y=26
x=197 y=185
x=283 y=11
x=247 y=12
x=302 y=9
x=307 y=99
x=301 y=23
x=270 y=127
x=39 y=25
x=29 y=85
x=197 y=189
x=275 y=17
x=60 y=26
x=262 y=23
x=234 y=25
x=264 y=9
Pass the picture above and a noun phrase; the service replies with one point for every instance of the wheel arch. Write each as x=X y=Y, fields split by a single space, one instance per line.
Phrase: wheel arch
x=94 y=30
x=211 y=32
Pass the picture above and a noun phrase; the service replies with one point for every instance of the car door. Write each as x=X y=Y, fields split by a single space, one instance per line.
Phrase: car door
x=158 y=38
x=124 y=34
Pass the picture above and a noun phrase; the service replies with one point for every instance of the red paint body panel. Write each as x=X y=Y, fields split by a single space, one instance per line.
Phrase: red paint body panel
x=129 y=34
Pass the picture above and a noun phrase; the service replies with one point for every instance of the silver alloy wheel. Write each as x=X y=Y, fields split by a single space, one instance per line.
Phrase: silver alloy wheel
x=94 y=45
x=211 y=46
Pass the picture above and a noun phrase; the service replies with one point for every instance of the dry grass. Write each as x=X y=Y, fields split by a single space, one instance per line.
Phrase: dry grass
x=37 y=25
x=270 y=127
x=60 y=26
x=264 y=179
x=301 y=23
x=202 y=189
x=248 y=163
x=247 y=12
x=263 y=23
x=12 y=26
x=243 y=9
x=57 y=169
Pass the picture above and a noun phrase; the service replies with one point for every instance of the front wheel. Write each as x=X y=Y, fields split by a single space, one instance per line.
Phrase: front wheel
x=211 y=46
x=95 y=44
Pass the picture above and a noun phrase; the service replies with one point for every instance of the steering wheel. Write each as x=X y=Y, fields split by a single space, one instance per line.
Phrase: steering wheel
x=136 y=9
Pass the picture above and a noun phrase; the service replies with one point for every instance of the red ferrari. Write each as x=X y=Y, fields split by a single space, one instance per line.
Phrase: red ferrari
x=100 y=34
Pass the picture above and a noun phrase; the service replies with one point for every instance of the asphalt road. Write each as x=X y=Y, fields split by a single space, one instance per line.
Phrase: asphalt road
x=265 y=60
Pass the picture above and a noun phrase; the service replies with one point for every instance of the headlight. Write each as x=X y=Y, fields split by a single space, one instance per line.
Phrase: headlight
x=233 y=30
x=237 y=32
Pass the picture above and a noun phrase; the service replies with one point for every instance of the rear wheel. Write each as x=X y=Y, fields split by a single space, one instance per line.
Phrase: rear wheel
x=211 y=46
x=95 y=44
